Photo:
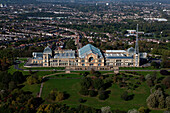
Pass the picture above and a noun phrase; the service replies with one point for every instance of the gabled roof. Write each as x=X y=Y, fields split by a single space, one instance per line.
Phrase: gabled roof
x=87 y=49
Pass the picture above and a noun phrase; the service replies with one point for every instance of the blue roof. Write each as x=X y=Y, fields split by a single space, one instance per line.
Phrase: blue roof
x=87 y=49
x=66 y=54
x=47 y=50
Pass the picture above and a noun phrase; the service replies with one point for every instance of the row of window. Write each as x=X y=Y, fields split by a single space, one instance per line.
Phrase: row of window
x=35 y=62
x=91 y=64
x=64 y=64
x=119 y=64
x=91 y=60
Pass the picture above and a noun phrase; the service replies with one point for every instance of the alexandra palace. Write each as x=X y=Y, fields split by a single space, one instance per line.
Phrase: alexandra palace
x=87 y=56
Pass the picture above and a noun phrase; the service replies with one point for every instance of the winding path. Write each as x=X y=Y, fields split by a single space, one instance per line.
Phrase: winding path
x=42 y=84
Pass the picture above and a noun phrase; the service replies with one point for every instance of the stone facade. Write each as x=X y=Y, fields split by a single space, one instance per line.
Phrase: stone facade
x=87 y=56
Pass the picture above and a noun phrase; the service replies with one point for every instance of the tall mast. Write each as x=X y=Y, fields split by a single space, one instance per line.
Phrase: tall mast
x=136 y=49
x=136 y=44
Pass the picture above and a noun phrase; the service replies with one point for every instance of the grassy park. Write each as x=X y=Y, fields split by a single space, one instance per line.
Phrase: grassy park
x=70 y=84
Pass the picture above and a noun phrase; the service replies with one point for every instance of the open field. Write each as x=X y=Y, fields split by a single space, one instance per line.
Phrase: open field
x=70 y=84
x=72 y=87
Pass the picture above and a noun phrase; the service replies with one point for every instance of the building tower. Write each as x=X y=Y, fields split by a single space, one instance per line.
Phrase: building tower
x=136 y=49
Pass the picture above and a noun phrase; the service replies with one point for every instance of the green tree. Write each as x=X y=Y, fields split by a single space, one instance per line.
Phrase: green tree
x=98 y=83
x=12 y=85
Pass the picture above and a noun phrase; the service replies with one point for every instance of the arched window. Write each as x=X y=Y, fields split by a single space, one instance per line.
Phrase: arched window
x=82 y=60
x=90 y=59
x=91 y=64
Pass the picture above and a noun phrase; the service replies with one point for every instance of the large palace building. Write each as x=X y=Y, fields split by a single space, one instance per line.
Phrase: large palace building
x=87 y=56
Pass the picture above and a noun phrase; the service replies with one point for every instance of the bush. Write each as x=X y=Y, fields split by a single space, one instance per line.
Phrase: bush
x=127 y=97
x=164 y=72
x=82 y=100
x=92 y=93
x=155 y=65
x=102 y=96
x=166 y=82
x=133 y=111
x=98 y=83
x=124 y=96
x=56 y=95
x=143 y=110
x=33 y=80
x=150 y=83
x=84 y=92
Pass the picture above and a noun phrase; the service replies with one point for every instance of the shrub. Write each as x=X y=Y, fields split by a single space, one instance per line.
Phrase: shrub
x=150 y=83
x=127 y=97
x=168 y=101
x=124 y=96
x=82 y=100
x=156 y=99
x=56 y=95
x=86 y=83
x=142 y=110
x=106 y=109
x=155 y=64
x=98 y=83
x=102 y=96
x=84 y=91
x=92 y=93
x=164 y=72
x=133 y=111
x=166 y=82
x=33 y=80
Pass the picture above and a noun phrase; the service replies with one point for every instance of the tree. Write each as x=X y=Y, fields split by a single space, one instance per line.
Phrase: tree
x=142 y=110
x=133 y=111
x=98 y=83
x=168 y=101
x=56 y=95
x=106 y=109
x=18 y=77
x=33 y=80
x=125 y=96
x=92 y=71
x=92 y=93
x=12 y=85
x=155 y=64
x=102 y=96
x=84 y=91
x=156 y=99
x=166 y=82
x=60 y=96
x=150 y=83
x=86 y=83
x=164 y=72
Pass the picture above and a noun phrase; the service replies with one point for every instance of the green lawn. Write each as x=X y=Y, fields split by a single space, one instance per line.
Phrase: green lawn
x=44 y=68
x=35 y=88
x=72 y=87
x=23 y=59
